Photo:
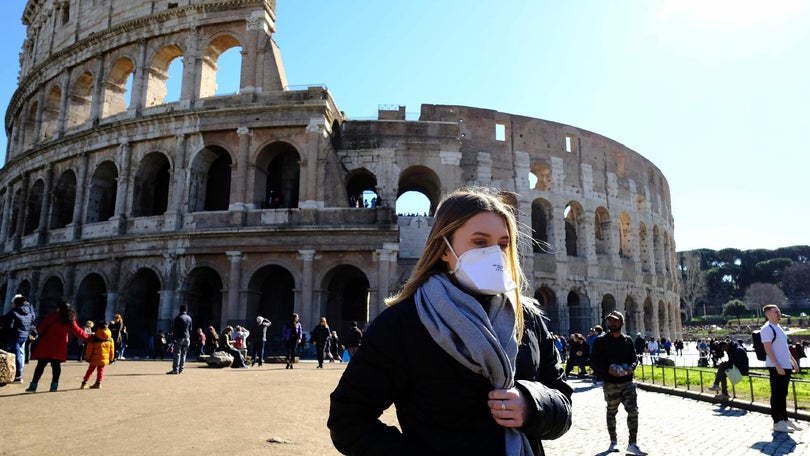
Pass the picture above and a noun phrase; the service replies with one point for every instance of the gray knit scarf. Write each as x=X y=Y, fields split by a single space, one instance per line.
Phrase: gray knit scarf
x=483 y=343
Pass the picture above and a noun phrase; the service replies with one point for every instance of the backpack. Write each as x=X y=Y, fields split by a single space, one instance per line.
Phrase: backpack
x=759 y=348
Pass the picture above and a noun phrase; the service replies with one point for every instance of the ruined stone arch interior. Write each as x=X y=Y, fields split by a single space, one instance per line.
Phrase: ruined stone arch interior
x=270 y=200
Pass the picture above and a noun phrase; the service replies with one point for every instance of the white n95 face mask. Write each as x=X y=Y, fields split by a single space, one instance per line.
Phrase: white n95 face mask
x=482 y=271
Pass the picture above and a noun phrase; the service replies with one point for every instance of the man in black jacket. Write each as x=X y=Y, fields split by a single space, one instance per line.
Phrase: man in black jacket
x=737 y=357
x=181 y=335
x=614 y=358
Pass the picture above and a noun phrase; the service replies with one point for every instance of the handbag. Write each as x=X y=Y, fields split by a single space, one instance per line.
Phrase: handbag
x=734 y=375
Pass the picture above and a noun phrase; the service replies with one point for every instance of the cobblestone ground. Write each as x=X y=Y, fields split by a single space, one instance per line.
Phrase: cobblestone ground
x=259 y=411
x=670 y=425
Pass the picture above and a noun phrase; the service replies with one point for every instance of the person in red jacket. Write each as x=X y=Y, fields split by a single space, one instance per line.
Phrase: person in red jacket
x=53 y=341
x=100 y=352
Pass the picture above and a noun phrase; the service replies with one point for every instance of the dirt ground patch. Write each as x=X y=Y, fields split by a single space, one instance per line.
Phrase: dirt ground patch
x=142 y=411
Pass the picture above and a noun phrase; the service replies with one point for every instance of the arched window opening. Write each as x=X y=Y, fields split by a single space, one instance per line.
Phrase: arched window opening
x=165 y=72
x=412 y=203
x=29 y=138
x=152 y=186
x=423 y=180
x=231 y=66
x=33 y=207
x=50 y=113
x=118 y=87
x=625 y=236
x=102 y=193
x=210 y=185
x=572 y=221
x=63 y=200
x=643 y=247
x=541 y=219
x=602 y=231
x=79 y=101
x=362 y=189
x=279 y=182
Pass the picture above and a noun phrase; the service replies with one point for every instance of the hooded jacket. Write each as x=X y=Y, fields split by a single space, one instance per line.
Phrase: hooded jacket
x=101 y=350
x=18 y=321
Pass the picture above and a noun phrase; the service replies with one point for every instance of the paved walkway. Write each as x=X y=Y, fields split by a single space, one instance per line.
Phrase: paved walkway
x=270 y=410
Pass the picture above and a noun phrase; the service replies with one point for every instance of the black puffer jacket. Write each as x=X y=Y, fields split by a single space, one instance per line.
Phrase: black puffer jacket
x=441 y=405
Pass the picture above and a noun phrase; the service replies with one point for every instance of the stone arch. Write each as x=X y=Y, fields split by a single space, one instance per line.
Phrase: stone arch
x=649 y=317
x=115 y=87
x=202 y=293
x=663 y=319
x=210 y=182
x=158 y=74
x=625 y=236
x=423 y=180
x=278 y=172
x=542 y=172
x=631 y=323
x=360 y=181
x=574 y=225
x=547 y=301
x=91 y=298
x=80 y=100
x=33 y=206
x=30 y=126
x=579 y=318
x=271 y=294
x=602 y=231
x=657 y=250
x=101 y=194
x=542 y=219
x=215 y=48
x=347 y=298
x=151 y=195
x=63 y=200
x=52 y=292
x=643 y=247
x=24 y=288
x=608 y=306
x=50 y=113
x=16 y=208
x=139 y=306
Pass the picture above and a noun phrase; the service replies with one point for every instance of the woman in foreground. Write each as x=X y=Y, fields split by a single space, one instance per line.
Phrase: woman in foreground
x=466 y=360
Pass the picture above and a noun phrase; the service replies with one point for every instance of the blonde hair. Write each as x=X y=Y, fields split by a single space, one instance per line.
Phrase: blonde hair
x=452 y=213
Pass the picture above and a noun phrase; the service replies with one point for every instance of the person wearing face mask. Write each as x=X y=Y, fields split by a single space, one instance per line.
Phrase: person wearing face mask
x=463 y=356
x=614 y=358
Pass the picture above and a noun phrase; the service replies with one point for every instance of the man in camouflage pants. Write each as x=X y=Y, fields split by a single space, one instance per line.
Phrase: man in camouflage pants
x=613 y=357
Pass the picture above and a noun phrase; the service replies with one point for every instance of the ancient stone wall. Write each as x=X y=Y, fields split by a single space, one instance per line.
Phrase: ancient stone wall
x=269 y=201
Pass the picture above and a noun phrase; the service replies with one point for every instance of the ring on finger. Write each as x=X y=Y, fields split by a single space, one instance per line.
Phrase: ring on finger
x=503 y=405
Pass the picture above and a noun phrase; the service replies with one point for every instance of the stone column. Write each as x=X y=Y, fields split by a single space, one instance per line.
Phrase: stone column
x=38 y=117
x=42 y=227
x=167 y=310
x=308 y=185
x=63 y=104
x=307 y=278
x=239 y=196
x=122 y=192
x=114 y=290
x=255 y=25
x=70 y=286
x=174 y=214
x=386 y=257
x=81 y=191
x=234 y=281
x=6 y=217
x=17 y=241
x=11 y=290
x=137 y=99
x=97 y=103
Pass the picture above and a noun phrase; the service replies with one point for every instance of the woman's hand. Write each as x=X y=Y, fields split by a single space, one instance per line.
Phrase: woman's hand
x=508 y=407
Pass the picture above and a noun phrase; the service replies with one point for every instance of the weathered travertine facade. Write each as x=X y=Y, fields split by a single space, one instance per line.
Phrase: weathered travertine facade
x=244 y=204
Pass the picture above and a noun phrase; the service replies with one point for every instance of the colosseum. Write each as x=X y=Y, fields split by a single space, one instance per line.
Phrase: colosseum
x=271 y=200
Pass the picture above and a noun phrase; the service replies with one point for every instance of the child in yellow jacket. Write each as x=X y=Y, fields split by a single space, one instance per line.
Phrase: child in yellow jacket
x=100 y=352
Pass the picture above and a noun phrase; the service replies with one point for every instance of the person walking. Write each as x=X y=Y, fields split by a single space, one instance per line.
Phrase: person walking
x=292 y=335
x=737 y=357
x=464 y=357
x=88 y=329
x=16 y=326
x=653 y=347
x=52 y=346
x=118 y=329
x=319 y=336
x=640 y=345
x=259 y=334
x=335 y=350
x=181 y=335
x=614 y=358
x=780 y=365
x=100 y=351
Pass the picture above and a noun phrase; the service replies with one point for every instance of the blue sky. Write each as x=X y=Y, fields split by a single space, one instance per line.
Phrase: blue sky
x=714 y=92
